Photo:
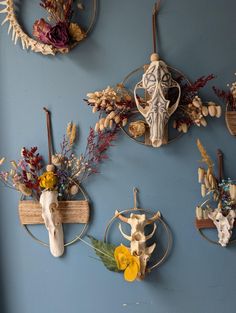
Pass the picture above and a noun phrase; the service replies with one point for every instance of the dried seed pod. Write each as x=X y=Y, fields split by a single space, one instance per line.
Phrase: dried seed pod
x=91 y=95
x=106 y=123
x=203 y=122
x=91 y=100
x=205 y=110
x=212 y=110
x=94 y=109
x=117 y=119
x=184 y=128
x=201 y=174
x=74 y=189
x=101 y=127
x=50 y=168
x=232 y=192
x=24 y=190
x=196 y=103
x=218 y=111
x=199 y=213
x=111 y=115
x=203 y=190
x=111 y=124
x=124 y=122
x=211 y=181
x=96 y=127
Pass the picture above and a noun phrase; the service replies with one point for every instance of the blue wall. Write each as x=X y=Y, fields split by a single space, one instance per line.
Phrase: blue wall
x=198 y=38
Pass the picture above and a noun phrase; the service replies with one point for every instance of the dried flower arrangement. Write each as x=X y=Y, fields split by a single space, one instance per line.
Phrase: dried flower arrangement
x=53 y=188
x=163 y=93
x=59 y=34
x=133 y=260
x=219 y=210
x=229 y=98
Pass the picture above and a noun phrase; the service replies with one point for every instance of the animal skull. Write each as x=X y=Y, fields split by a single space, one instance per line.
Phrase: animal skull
x=49 y=203
x=138 y=238
x=156 y=81
x=224 y=224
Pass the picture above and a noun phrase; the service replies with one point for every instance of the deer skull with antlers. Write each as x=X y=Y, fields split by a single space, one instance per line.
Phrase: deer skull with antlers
x=138 y=238
x=157 y=82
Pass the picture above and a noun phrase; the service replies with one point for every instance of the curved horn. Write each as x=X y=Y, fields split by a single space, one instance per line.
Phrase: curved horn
x=121 y=217
x=155 y=217
x=123 y=234
x=152 y=233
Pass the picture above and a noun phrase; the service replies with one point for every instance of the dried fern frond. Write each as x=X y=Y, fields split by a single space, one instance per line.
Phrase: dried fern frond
x=205 y=157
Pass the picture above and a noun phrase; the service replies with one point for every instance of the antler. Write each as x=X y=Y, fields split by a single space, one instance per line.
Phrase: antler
x=123 y=234
x=155 y=217
x=121 y=217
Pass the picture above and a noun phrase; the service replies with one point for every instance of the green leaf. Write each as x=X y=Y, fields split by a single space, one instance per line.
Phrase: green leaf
x=105 y=251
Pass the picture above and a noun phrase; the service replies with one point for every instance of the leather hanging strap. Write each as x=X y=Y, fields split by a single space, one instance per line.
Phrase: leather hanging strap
x=155 y=10
x=49 y=132
x=220 y=158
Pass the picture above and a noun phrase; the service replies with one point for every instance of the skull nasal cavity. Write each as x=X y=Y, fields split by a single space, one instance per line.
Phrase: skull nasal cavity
x=137 y=236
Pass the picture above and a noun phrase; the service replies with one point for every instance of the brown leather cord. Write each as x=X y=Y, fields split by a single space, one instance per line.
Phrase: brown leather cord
x=156 y=8
x=220 y=158
x=49 y=132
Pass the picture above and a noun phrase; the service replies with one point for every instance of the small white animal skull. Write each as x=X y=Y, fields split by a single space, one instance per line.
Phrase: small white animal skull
x=49 y=203
x=138 y=238
x=224 y=224
x=156 y=81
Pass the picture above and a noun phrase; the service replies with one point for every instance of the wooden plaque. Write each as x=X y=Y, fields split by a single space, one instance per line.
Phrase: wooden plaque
x=71 y=212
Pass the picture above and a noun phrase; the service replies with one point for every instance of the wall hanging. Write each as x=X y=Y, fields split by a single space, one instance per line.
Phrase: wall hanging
x=218 y=210
x=60 y=34
x=144 y=106
x=134 y=260
x=229 y=98
x=56 y=194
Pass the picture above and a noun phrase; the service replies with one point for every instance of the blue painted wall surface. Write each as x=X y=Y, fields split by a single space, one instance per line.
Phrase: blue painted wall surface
x=198 y=38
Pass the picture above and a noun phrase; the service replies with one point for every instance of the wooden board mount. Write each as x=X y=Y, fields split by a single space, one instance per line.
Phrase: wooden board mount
x=71 y=212
x=206 y=223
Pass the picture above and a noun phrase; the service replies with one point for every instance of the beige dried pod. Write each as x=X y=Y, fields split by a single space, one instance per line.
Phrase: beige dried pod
x=232 y=192
x=111 y=124
x=74 y=189
x=210 y=178
x=201 y=174
x=205 y=110
x=218 y=111
x=184 y=128
x=96 y=127
x=101 y=127
x=124 y=122
x=24 y=190
x=212 y=110
x=199 y=213
x=117 y=119
x=111 y=115
x=94 y=110
x=203 y=122
x=203 y=190
x=106 y=123
x=196 y=103
x=91 y=95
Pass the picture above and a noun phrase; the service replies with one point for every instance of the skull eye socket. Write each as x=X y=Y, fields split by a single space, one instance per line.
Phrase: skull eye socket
x=166 y=78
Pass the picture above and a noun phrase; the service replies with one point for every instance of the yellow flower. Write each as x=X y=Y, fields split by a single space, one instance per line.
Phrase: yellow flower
x=48 y=180
x=126 y=262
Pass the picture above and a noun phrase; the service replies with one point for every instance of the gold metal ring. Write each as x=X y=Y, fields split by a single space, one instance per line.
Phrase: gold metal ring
x=166 y=228
x=74 y=240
